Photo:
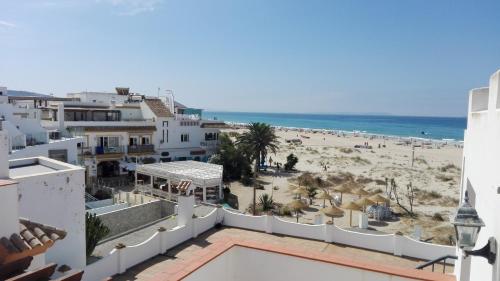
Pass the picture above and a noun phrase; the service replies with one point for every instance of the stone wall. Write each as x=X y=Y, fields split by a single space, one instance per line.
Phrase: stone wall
x=123 y=220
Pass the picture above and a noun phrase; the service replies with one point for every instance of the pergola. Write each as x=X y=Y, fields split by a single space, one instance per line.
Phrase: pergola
x=165 y=177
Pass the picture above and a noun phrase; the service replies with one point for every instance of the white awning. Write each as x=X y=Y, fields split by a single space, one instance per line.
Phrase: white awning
x=200 y=173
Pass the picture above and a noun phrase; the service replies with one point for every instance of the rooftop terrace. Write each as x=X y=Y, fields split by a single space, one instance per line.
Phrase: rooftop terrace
x=177 y=261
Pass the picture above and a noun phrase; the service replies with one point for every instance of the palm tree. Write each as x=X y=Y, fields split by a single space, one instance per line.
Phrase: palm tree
x=260 y=139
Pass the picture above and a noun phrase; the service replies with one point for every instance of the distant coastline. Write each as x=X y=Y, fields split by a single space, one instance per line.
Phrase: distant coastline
x=433 y=128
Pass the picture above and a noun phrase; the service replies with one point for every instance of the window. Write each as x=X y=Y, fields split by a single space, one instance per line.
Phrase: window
x=185 y=138
x=165 y=123
x=145 y=140
x=108 y=141
x=211 y=136
x=133 y=141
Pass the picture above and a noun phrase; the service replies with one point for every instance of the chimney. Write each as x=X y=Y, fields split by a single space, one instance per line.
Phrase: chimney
x=60 y=116
x=4 y=152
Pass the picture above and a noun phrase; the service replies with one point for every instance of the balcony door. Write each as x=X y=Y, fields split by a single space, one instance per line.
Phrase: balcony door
x=108 y=141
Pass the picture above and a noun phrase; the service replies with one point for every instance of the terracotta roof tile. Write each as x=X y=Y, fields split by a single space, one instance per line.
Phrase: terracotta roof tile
x=33 y=239
x=158 y=107
x=184 y=186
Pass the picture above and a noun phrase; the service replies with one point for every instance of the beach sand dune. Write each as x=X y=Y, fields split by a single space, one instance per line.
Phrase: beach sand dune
x=434 y=173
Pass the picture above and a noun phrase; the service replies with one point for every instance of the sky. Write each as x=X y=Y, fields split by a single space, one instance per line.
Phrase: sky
x=388 y=56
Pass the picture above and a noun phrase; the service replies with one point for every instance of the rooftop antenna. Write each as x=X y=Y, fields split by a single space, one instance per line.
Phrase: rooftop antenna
x=158 y=92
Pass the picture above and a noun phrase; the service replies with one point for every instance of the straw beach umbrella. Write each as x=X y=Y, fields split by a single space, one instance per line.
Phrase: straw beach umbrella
x=361 y=192
x=325 y=196
x=352 y=185
x=351 y=206
x=363 y=202
x=297 y=206
x=342 y=189
x=377 y=198
x=332 y=212
x=300 y=191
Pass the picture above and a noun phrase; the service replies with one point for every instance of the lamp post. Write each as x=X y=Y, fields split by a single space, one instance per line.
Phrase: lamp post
x=467 y=225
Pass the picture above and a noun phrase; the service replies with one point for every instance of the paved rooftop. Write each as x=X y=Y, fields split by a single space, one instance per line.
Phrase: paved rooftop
x=183 y=253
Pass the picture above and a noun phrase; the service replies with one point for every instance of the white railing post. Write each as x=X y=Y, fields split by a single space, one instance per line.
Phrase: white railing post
x=219 y=218
x=162 y=233
x=269 y=222
x=398 y=244
x=328 y=232
x=195 y=227
x=122 y=259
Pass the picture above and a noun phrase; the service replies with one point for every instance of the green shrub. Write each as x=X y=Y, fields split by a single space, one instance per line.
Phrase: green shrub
x=291 y=161
x=95 y=230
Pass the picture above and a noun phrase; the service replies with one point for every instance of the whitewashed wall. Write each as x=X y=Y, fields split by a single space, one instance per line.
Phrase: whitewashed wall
x=164 y=240
x=119 y=260
x=245 y=264
x=57 y=199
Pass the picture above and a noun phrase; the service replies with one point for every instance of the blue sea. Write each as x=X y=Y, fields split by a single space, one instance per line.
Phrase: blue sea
x=405 y=126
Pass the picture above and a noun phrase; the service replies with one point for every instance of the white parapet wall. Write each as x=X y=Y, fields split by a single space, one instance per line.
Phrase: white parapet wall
x=120 y=259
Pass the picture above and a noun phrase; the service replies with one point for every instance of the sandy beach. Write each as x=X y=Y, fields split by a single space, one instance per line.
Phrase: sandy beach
x=435 y=176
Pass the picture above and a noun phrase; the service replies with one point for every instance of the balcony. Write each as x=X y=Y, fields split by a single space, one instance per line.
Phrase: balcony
x=100 y=150
x=187 y=117
x=210 y=144
x=144 y=148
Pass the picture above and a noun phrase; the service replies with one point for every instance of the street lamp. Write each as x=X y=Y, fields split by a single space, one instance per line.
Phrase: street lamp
x=467 y=225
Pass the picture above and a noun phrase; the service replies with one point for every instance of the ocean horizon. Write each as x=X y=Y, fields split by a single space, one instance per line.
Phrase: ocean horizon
x=405 y=126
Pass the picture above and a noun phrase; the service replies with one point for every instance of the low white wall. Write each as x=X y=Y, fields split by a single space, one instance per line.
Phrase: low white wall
x=205 y=223
x=119 y=260
x=176 y=236
x=423 y=250
x=141 y=252
x=105 y=267
x=244 y=221
x=387 y=243
x=382 y=243
x=107 y=209
x=296 y=229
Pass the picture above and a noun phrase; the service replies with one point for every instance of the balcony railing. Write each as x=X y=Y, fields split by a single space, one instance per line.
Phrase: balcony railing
x=144 y=148
x=193 y=117
x=210 y=144
x=99 y=150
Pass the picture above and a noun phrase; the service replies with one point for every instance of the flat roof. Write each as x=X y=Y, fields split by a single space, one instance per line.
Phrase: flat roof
x=198 y=172
x=27 y=170
x=37 y=166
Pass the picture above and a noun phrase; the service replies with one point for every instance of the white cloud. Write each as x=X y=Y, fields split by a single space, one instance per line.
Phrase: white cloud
x=133 y=7
x=6 y=24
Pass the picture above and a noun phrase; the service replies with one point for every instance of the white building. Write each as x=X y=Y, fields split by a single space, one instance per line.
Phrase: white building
x=27 y=137
x=481 y=178
x=48 y=192
x=122 y=129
